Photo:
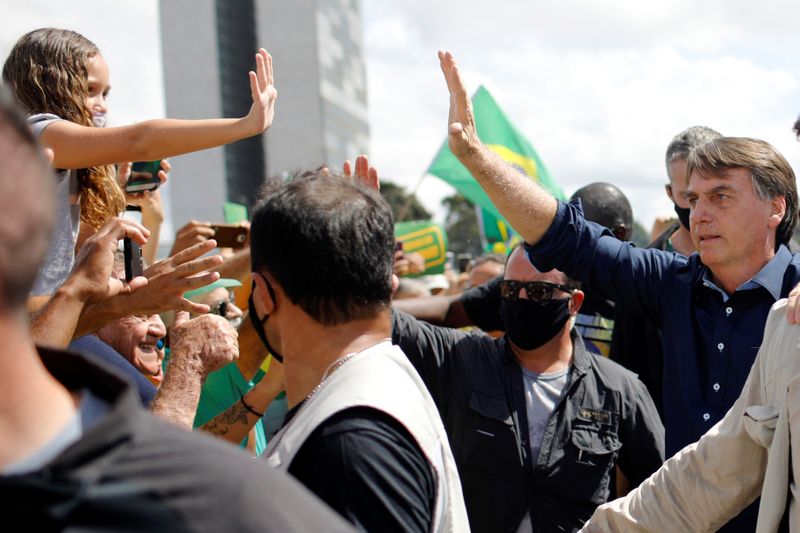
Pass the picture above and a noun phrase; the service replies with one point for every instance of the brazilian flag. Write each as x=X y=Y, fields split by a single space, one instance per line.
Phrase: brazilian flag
x=499 y=135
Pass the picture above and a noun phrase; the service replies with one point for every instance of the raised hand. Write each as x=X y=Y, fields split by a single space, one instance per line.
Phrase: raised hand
x=91 y=280
x=208 y=340
x=462 y=134
x=263 y=92
x=170 y=278
x=365 y=174
x=191 y=233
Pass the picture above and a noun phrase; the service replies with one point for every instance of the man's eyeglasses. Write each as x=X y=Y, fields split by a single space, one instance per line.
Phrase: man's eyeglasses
x=537 y=291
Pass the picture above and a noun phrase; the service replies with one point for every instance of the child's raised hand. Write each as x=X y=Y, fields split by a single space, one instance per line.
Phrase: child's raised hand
x=263 y=92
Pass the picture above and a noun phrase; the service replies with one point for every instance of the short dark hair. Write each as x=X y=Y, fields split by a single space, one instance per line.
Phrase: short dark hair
x=27 y=205
x=329 y=243
x=568 y=281
x=796 y=127
x=607 y=205
x=688 y=139
x=772 y=175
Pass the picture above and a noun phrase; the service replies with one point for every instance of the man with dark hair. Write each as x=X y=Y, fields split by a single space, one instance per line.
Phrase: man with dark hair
x=538 y=425
x=607 y=205
x=78 y=453
x=711 y=306
x=362 y=431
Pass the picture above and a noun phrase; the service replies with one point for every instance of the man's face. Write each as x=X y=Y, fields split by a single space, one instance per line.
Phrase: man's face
x=221 y=302
x=483 y=273
x=519 y=268
x=136 y=339
x=730 y=225
x=676 y=188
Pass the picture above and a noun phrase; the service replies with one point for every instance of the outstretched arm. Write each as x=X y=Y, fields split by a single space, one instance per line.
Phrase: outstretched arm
x=78 y=146
x=527 y=206
x=168 y=280
x=90 y=281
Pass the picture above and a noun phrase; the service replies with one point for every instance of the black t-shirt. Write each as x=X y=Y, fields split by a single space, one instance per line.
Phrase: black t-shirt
x=368 y=467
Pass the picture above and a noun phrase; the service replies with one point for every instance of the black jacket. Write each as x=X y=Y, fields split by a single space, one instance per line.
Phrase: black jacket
x=131 y=471
x=604 y=418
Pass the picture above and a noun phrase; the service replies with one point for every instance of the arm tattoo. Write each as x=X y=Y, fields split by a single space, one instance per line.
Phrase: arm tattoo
x=220 y=425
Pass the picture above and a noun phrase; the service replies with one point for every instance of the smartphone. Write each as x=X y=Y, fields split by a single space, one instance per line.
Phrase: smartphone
x=133 y=259
x=229 y=235
x=144 y=176
x=463 y=261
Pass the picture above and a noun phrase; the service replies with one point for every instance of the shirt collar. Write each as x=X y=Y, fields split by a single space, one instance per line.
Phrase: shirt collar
x=770 y=277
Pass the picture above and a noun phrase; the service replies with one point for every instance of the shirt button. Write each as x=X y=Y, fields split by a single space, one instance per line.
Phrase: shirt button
x=706 y=416
x=728 y=310
x=720 y=346
x=716 y=387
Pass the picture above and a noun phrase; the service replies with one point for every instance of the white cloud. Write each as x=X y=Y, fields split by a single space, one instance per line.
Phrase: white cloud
x=599 y=88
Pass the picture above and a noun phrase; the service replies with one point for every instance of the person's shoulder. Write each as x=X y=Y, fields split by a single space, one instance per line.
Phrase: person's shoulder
x=215 y=485
x=40 y=121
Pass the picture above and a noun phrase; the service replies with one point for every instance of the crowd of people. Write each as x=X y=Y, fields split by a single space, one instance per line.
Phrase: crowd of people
x=305 y=380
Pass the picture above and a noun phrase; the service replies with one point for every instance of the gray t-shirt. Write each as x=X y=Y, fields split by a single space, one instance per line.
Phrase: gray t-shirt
x=542 y=392
x=61 y=253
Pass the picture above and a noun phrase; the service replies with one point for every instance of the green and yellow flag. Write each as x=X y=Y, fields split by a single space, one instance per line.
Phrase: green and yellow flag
x=497 y=132
x=425 y=238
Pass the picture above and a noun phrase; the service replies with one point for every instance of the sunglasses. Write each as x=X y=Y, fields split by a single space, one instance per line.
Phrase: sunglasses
x=221 y=307
x=537 y=291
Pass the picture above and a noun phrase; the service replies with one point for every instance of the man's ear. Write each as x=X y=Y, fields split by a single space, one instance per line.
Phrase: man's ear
x=778 y=211
x=576 y=302
x=263 y=297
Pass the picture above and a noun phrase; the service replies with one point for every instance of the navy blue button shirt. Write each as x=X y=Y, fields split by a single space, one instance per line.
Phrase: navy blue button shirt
x=710 y=338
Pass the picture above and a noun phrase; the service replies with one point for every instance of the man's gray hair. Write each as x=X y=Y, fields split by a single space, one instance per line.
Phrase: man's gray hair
x=690 y=138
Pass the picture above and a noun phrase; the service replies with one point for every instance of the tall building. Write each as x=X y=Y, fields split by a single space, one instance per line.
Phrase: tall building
x=321 y=113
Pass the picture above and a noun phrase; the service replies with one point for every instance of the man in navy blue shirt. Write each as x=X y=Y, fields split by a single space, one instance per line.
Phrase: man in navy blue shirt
x=712 y=306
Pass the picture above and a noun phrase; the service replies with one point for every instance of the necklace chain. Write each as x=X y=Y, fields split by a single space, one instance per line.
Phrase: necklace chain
x=333 y=367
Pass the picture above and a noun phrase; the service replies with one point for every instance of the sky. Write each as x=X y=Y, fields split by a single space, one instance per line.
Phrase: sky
x=599 y=87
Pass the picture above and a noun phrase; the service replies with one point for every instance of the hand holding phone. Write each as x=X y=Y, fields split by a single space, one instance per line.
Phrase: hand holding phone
x=230 y=235
x=133 y=259
x=144 y=176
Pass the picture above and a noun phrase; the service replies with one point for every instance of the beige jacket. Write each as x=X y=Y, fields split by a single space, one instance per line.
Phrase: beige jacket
x=747 y=454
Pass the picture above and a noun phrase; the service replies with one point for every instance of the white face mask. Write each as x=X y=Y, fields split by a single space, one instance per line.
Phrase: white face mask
x=99 y=120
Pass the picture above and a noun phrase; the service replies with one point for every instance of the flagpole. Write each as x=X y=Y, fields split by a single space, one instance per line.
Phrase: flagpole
x=401 y=215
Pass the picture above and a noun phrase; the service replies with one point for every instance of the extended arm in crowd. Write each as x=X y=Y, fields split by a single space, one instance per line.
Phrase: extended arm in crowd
x=527 y=206
x=89 y=283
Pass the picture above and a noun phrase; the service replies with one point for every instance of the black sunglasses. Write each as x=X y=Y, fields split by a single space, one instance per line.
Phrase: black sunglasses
x=537 y=291
x=221 y=308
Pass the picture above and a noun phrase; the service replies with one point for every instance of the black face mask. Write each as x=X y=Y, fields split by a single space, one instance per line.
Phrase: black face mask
x=258 y=323
x=683 y=215
x=530 y=324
